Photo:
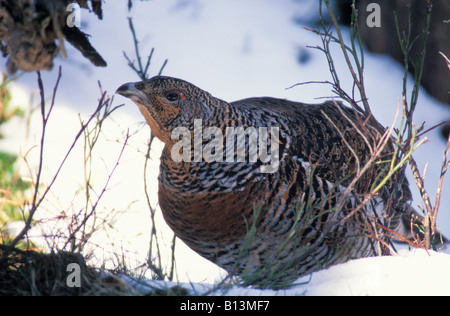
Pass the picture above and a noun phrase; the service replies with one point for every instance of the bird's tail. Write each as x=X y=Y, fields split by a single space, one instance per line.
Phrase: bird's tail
x=411 y=224
x=411 y=227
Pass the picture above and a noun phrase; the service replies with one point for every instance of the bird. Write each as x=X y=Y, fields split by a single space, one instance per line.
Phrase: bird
x=269 y=222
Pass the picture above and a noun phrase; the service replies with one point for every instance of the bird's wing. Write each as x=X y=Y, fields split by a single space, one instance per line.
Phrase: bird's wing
x=330 y=136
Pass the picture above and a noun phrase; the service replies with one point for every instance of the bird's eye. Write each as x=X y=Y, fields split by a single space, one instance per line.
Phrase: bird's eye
x=172 y=96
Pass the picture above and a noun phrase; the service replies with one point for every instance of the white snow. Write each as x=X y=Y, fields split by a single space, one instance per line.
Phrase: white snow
x=410 y=273
x=233 y=49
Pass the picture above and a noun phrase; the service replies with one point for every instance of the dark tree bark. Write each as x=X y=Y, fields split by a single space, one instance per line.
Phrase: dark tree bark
x=436 y=76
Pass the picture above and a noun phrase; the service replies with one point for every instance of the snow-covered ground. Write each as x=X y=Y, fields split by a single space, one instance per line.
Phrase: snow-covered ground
x=412 y=273
x=233 y=49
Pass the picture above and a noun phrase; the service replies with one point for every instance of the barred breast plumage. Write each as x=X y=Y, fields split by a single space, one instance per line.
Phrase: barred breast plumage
x=269 y=226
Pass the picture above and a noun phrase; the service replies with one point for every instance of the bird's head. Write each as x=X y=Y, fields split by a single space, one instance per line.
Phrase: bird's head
x=167 y=103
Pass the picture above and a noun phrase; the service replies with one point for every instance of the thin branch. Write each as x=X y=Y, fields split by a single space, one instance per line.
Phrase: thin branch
x=103 y=102
x=359 y=81
x=99 y=197
x=45 y=117
x=447 y=60
x=309 y=82
x=140 y=70
x=444 y=168
x=378 y=149
x=420 y=184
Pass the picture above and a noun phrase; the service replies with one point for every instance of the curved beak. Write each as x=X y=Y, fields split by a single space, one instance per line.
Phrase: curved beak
x=130 y=91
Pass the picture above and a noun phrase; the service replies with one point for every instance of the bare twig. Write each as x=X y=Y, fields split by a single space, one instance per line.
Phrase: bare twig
x=358 y=78
x=90 y=211
x=447 y=60
x=444 y=168
x=45 y=115
x=140 y=70
x=39 y=198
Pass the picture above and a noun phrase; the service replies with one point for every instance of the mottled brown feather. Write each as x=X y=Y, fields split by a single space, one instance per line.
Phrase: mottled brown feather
x=211 y=206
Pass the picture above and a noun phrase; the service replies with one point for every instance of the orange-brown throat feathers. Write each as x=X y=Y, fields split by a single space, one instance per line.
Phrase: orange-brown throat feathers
x=154 y=126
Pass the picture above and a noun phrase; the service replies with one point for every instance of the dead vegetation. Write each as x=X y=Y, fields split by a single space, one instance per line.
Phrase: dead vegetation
x=33 y=32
